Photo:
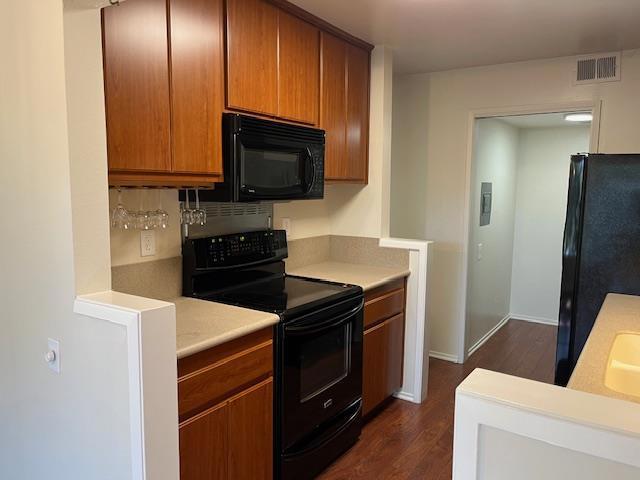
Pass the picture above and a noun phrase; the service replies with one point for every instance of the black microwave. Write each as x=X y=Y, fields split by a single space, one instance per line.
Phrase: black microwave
x=265 y=160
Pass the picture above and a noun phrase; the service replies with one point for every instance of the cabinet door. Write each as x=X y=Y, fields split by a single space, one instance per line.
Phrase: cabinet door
x=395 y=349
x=197 y=82
x=251 y=433
x=136 y=73
x=374 y=367
x=357 y=113
x=252 y=56
x=333 y=105
x=382 y=362
x=203 y=445
x=298 y=69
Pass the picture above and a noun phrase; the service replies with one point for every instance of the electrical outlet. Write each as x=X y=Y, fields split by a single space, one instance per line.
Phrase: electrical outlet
x=286 y=226
x=52 y=357
x=147 y=243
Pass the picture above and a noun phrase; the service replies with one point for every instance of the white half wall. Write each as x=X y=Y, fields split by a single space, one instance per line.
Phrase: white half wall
x=541 y=205
x=491 y=246
x=508 y=427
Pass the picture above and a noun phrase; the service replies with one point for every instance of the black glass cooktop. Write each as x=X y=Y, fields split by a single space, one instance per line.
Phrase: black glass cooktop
x=285 y=294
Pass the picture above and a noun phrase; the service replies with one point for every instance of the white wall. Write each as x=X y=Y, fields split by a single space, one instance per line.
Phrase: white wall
x=452 y=96
x=541 y=203
x=73 y=425
x=489 y=277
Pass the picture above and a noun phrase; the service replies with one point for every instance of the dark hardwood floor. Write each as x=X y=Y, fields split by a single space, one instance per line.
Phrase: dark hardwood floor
x=408 y=441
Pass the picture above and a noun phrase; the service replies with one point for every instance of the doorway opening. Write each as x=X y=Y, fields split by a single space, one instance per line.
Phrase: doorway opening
x=517 y=206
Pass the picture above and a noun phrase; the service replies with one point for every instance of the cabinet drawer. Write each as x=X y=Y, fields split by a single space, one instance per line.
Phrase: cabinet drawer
x=209 y=385
x=383 y=306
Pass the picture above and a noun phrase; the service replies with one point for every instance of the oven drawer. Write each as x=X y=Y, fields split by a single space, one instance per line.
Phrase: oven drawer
x=383 y=303
x=212 y=383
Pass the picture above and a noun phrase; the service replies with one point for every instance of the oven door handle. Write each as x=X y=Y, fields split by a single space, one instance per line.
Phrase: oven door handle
x=313 y=327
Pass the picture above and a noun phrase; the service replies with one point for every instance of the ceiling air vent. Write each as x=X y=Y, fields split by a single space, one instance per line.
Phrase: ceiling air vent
x=604 y=67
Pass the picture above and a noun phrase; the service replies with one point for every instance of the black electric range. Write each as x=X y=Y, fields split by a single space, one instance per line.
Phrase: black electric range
x=318 y=342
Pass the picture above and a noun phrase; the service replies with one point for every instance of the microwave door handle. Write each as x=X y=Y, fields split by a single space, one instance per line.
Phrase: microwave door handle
x=312 y=169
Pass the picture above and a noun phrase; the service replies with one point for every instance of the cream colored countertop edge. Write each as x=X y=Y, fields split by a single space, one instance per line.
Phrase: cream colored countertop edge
x=366 y=276
x=618 y=313
x=201 y=324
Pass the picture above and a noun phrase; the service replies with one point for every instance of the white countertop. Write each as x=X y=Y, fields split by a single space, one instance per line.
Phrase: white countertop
x=366 y=276
x=201 y=324
x=618 y=313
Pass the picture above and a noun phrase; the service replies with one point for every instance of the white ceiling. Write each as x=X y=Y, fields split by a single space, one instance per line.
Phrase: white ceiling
x=545 y=120
x=435 y=35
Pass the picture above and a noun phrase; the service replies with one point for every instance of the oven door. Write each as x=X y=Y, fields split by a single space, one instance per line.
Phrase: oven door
x=321 y=355
x=272 y=170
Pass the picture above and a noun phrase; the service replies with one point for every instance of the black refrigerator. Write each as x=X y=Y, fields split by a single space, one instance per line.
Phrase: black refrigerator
x=601 y=250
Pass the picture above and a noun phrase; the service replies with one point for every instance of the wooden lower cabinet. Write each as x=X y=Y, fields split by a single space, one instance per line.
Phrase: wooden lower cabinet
x=251 y=433
x=204 y=448
x=231 y=436
x=383 y=350
x=382 y=372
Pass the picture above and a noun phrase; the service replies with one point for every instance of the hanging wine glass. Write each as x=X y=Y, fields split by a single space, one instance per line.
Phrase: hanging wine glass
x=200 y=214
x=120 y=217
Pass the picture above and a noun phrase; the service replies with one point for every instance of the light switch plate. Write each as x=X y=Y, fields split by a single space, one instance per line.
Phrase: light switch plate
x=147 y=243
x=53 y=355
x=479 y=252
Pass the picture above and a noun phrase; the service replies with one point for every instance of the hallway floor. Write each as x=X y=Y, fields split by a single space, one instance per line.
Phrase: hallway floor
x=408 y=441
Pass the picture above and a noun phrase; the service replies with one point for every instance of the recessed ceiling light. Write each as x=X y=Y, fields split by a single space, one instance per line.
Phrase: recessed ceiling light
x=578 y=117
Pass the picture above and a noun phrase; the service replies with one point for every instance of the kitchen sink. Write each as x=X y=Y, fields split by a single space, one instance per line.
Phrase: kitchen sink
x=623 y=367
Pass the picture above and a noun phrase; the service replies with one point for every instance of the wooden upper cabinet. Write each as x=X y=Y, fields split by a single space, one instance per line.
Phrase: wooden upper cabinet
x=136 y=72
x=197 y=85
x=333 y=105
x=357 y=113
x=252 y=56
x=298 y=69
x=344 y=109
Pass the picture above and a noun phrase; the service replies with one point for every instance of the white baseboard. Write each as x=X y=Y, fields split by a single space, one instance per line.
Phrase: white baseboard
x=402 y=395
x=488 y=335
x=529 y=318
x=444 y=356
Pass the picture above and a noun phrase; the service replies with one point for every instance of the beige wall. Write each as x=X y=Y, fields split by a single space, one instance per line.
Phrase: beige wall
x=410 y=115
x=541 y=205
x=495 y=160
x=75 y=424
x=452 y=96
x=87 y=150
